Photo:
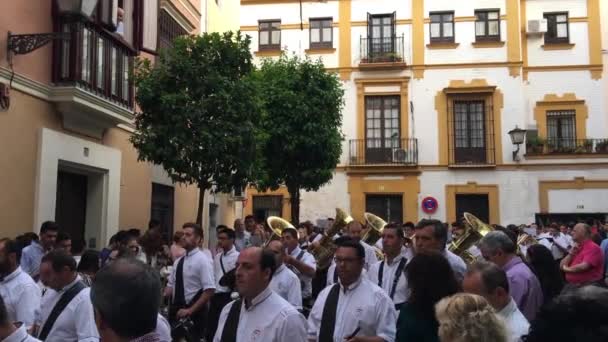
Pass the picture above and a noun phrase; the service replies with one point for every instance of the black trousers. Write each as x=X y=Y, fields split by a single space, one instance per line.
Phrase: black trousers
x=217 y=303
x=199 y=320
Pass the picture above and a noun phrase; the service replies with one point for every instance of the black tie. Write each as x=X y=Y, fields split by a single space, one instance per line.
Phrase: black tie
x=328 y=320
x=179 y=298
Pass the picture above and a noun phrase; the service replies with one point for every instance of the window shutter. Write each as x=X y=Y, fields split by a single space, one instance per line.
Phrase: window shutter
x=369 y=25
x=149 y=29
x=109 y=14
x=394 y=24
x=129 y=20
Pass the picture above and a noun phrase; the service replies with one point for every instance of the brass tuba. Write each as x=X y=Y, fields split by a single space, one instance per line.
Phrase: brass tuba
x=277 y=225
x=475 y=229
x=375 y=227
x=325 y=249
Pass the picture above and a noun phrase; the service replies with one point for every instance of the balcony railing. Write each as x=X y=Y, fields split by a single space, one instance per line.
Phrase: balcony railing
x=383 y=151
x=382 y=50
x=566 y=146
x=96 y=60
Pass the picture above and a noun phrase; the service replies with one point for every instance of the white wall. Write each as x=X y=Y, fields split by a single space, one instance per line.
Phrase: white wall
x=323 y=203
x=578 y=201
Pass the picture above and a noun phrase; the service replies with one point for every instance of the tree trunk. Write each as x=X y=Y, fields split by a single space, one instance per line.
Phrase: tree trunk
x=294 y=194
x=201 y=204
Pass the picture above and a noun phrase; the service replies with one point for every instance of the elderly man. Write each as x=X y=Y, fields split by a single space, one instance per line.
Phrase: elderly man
x=489 y=281
x=284 y=282
x=432 y=235
x=260 y=314
x=585 y=262
x=241 y=240
x=524 y=287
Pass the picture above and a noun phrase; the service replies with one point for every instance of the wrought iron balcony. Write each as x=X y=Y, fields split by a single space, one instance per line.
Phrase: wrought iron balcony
x=538 y=146
x=383 y=151
x=382 y=50
x=95 y=60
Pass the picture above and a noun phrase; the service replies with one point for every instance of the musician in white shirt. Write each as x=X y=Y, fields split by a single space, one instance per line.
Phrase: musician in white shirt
x=389 y=274
x=223 y=263
x=302 y=263
x=20 y=293
x=490 y=281
x=355 y=308
x=10 y=331
x=260 y=314
x=284 y=282
x=560 y=245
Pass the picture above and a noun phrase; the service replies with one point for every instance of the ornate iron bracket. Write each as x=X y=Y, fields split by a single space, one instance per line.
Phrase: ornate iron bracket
x=21 y=44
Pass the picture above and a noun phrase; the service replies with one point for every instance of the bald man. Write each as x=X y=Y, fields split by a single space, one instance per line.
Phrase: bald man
x=284 y=281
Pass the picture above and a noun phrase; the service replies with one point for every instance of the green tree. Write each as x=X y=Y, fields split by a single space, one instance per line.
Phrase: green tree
x=199 y=112
x=302 y=122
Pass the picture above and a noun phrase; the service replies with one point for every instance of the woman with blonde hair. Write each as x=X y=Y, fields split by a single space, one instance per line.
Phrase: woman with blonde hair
x=467 y=317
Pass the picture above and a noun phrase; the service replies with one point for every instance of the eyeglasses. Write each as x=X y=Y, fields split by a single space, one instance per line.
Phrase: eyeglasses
x=345 y=260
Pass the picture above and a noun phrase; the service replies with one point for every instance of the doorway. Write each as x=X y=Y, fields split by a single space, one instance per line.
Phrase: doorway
x=71 y=204
x=387 y=207
x=478 y=205
x=162 y=208
x=265 y=206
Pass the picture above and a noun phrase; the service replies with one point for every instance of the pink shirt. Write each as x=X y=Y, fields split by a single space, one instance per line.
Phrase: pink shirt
x=591 y=254
x=177 y=251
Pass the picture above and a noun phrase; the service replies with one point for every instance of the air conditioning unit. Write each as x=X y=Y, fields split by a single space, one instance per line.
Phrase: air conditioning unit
x=238 y=194
x=399 y=155
x=536 y=26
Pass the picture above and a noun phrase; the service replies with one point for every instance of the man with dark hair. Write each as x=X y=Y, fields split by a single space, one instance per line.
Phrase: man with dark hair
x=489 y=281
x=66 y=313
x=524 y=286
x=284 y=282
x=10 y=331
x=64 y=242
x=125 y=298
x=20 y=293
x=250 y=224
x=192 y=282
x=32 y=254
x=389 y=273
x=354 y=309
x=432 y=235
x=300 y=262
x=260 y=314
x=224 y=265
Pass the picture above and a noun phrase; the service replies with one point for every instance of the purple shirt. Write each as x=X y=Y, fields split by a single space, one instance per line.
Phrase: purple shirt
x=524 y=287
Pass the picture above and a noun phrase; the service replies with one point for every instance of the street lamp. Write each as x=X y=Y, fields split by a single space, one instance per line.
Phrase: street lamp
x=518 y=136
x=21 y=44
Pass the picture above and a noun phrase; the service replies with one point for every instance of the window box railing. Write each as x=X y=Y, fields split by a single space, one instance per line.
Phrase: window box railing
x=382 y=50
x=383 y=151
x=539 y=146
x=95 y=60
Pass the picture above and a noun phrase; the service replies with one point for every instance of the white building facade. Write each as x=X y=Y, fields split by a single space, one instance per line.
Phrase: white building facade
x=432 y=89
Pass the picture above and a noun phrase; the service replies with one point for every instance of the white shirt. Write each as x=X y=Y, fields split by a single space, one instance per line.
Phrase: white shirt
x=20 y=335
x=543 y=239
x=306 y=281
x=286 y=284
x=21 y=296
x=560 y=240
x=331 y=274
x=388 y=277
x=76 y=322
x=228 y=259
x=270 y=318
x=515 y=321
x=362 y=305
x=457 y=264
x=370 y=255
x=198 y=274
x=163 y=328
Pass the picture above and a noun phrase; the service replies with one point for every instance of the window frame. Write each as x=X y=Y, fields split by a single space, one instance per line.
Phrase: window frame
x=559 y=117
x=270 y=46
x=488 y=37
x=321 y=44
x=442 y=38
x=557 y=40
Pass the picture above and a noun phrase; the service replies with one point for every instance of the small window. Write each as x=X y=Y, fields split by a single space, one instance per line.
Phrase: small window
x=557 y=28
x=561 y=128
x=321 y=33
x=270 y=35
x=487 y=25
x=442 y=27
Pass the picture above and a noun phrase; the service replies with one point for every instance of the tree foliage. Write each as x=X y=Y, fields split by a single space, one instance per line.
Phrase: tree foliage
x=301 y=121
x=199 y=112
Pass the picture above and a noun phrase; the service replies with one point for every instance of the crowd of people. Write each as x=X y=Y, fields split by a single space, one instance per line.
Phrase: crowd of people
x=524 y=283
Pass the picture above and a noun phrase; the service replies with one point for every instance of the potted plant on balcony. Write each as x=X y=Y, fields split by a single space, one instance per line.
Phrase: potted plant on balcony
x=535 y=145
x=601 y=146
x=587 y=147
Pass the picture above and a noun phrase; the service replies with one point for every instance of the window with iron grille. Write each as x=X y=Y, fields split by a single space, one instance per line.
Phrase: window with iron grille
x=321 y=33
x=487 y=25
x=442 y=27
x=561 y=128
x=269 y=35
x=558 y=30
x=382 y=127
x=169 y=29
x=470 y=128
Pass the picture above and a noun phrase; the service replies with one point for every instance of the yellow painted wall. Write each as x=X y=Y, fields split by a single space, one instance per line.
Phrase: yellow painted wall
x=222 y=17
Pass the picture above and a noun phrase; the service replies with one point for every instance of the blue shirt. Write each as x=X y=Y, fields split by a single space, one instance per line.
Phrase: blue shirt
x=30 y=259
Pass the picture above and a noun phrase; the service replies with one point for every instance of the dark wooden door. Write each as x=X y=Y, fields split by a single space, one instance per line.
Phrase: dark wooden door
x=387 y=207
x=162 y=208
x=71 y=204
x=469 y=132
x=478 y=205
